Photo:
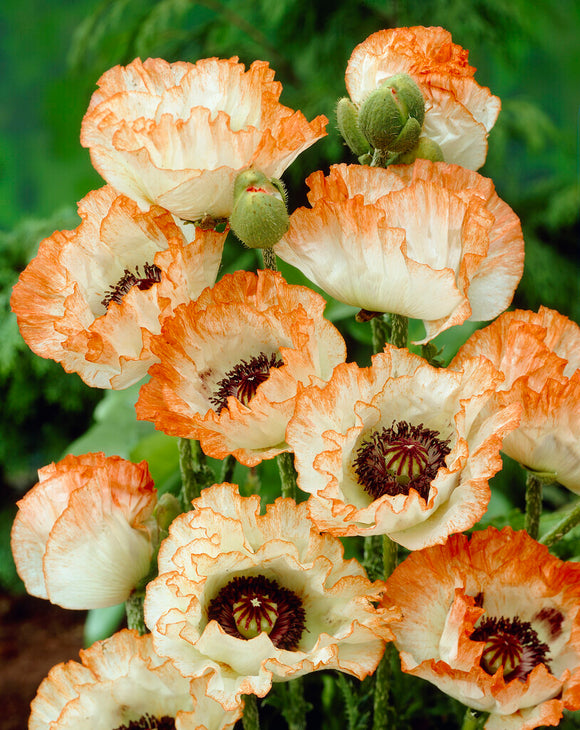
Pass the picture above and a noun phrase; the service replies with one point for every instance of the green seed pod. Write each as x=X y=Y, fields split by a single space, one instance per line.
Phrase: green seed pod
x=347 y=120
x=259 y=217
x=392 y=116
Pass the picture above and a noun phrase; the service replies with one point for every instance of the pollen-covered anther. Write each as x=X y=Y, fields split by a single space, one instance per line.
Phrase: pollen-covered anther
x=396 y=459
x=152 y=275
x=243 y=379
x=147 y=722
x=248 y=606
x=511 y=645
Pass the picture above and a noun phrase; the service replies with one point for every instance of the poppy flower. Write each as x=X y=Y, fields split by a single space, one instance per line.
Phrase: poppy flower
x=122 y=683
x=232 y=362
x=178 y=134
x=459 y=113
x=91 y=297
x=253 y=599
x=539 y=355
x=430 y=241
x=391 y=449
x=494 y=622
x=84 y=535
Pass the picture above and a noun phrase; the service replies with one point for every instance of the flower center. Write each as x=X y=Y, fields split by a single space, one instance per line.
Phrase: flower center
x=243 y=379
x=247 y=606
x=129 y=279
x=147 y=722
x=511 y=645
x=396 y=459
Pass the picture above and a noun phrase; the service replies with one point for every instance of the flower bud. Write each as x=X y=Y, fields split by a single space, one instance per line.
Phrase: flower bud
x=392 y=116
x=347 y=120
x=425 y=149
x=259 y=217
x=166 y=510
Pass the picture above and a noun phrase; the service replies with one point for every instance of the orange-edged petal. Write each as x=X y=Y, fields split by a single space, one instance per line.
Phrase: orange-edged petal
x=430 y=241
x=459 y=113
x=122 y=682
x=500 y=589
x=539 y=355
x=178 y=134
x=322 y=616
x=91 y=296
x=446 y=491
x=83 y=536
x=232 y=362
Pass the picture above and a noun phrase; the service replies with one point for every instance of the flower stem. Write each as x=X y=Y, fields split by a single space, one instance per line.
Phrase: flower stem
x=382 y=707
x=228 y=466
x=195 y=473
x=381 y=333
x=533 y=505
x=251 y=717
x=380 y=158
x=287 y=474
x=269 y=259
x=399 y=330
x=473 y=720
x=381 y=715
x=565 y=525
x=134 y=612
x=295 y=706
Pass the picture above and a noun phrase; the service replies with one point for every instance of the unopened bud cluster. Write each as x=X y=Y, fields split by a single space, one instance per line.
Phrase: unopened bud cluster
x=390 y=121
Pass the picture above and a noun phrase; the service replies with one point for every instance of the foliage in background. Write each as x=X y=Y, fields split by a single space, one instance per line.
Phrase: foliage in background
x=528 y=55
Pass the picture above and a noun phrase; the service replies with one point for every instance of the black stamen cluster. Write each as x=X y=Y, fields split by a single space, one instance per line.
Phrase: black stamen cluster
x=243 y=379
x=290 y=622
x=152 y=275
x=148 y=722
x=511 y=642
x=373 y=458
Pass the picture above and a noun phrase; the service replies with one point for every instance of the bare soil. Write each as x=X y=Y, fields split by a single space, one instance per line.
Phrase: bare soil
x=34 y=636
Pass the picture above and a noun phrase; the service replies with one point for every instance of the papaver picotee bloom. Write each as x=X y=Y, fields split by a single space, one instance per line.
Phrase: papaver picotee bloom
x=178 y=134
x=391 y=449
x=122 y=682
x=429 y=241
x=232 y=362
x=91 y=297
x=459 y=113
x=494 y=622
x=539 y=355
x=85 y=534
x=253 y=599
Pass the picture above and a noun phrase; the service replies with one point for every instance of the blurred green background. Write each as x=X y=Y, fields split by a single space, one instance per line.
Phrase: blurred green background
x=52 y=54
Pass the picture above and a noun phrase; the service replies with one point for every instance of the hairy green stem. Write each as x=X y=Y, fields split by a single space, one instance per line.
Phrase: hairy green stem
x=399 y=330
x=287 y=474
x=373 y=557
x=134 y=612
x=195 y=474
x=533 y=505
x=565 y=525
x=295 y=706
x=382 y=715
x=251 y=717
x=228 y=466
x=381 y=332
x=269 y=259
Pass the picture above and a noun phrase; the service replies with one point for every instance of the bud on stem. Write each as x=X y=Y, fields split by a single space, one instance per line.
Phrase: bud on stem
x=259 y=217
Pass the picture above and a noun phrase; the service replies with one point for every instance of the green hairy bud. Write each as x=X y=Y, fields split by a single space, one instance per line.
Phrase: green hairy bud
x=259 y=217
x=392 y=116
x=347 y=120
x=426 y=149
